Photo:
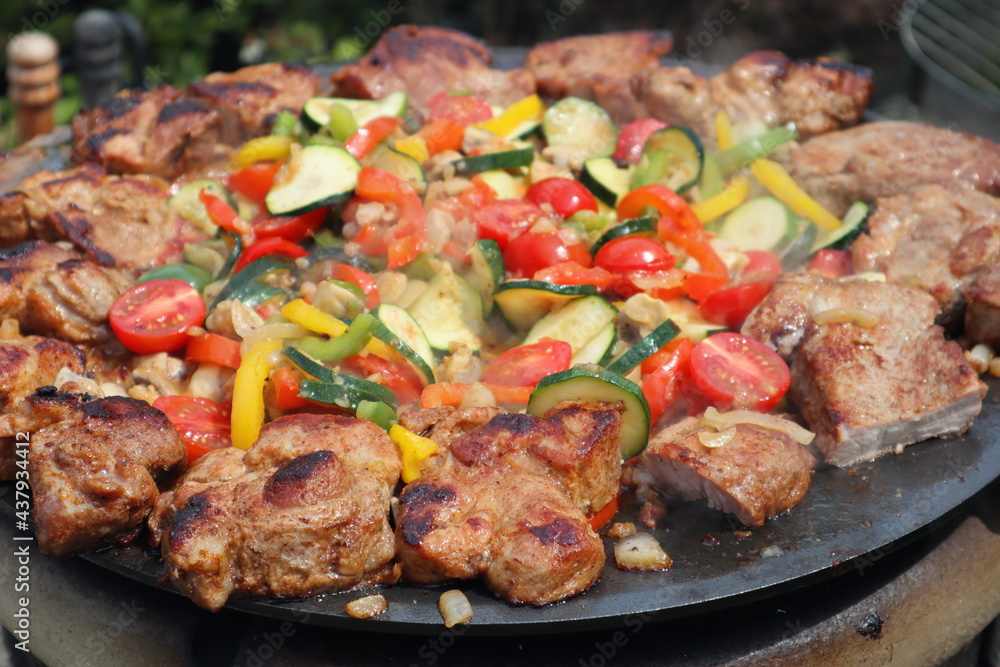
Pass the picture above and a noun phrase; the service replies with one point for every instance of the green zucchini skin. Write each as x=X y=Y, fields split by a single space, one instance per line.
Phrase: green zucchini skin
x=324 y=175
x=524 y=302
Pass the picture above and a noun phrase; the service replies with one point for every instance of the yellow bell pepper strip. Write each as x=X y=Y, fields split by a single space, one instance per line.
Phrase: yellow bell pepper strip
x=312 y=318
x=259 y=149
x=724 y=202
x=413 y=146
x=248 y=393
x=723 y=131
x=526 y=109
x=415 y=449
x=774 y=177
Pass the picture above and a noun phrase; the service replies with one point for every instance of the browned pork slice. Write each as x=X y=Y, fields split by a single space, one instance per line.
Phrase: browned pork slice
x=817 y=95
x=95 y=467
x=887 y=158
x=114 y=221
x=598 y=68
x=515 y=530
x=304 y=511
x=422 y=61
x=250 y=98
x=577 y=445
x=982 y=315
x=934 y=238
x=147 y=132
x=756 y=475
x=871 y=372
x=26 y=364
x=52 y=292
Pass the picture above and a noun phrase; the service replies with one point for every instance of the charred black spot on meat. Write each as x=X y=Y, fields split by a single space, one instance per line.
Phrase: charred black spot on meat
x=417 y=496
x=198 y=510
x=95 y=141
x=237 y=87
x=516 y=424
x=559 y=531
x=19 y=251
x=177 y=109
x=292 y=476
x=117 y=107
x=78 y=230
x=414 y=529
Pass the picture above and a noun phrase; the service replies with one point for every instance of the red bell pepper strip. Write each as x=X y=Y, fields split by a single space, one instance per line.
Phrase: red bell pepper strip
x=408 y=237
x=223 y=214
x=286 y=390
x=214 y=349
x=664 y=384
x=713 y=273
x=668 y=204
x=369 y=134
x=442 y=135
x=272 y=246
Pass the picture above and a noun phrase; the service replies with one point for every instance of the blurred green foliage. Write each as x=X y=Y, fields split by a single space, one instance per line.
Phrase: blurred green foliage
x=189 y=38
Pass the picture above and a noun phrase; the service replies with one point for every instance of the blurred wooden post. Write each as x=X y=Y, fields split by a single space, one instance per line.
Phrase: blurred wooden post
x=97 y=38
x=33 y=81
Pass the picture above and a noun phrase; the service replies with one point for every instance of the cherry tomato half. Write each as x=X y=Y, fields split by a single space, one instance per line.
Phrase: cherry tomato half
x=731 y=369
x=832 y=263
x=254 y=181
x=564 y=195
x=763 y=265
x=294 y=228
x=528 y=253
x=525 y=365
x=461 y=109
x=634 y=253
x=203 y=424
x=572 y=273
x=503 y=220
x=633 y=138
x=154 y=316
x=731 y=305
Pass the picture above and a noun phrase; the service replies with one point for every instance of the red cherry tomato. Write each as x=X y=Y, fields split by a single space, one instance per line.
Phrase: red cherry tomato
x=267 y=247
x=763 y=265
x=731 y=305
x=461 y=109
x=564 y=195
x=832 y=263
x=295 y=228
x=731 y=369
x=202 y=424
x=397 y=375
x=572 y=273
x=154 y=316
x=529 y=253
x=663 y=385
x=525 y=365
x=503 y=220
x=286 y=390
x=254 y=181
x=633 y=138
x=633 y=254
x=363 y=279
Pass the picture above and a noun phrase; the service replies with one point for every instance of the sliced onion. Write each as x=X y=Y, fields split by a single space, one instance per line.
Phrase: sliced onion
x=641 y=553
x=275 y=330
x=721 y=421
x=455 y=608
x=857 y=316
x=367 y=607
x=713 y=439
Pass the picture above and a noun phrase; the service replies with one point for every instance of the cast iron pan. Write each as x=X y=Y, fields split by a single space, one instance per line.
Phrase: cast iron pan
x=849 y=520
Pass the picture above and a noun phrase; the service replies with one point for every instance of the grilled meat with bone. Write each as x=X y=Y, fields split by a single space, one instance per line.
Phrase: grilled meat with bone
x=50 y=291
x=95 y=467
x=887 y=158
x=425 y=60
x=114 y=221
x=871 y=372
x=302 y=512
x=817 y=95
x=934 y=238
x=756 y=475
x=147 y=132
x=250 y=98
x=598 y=68
x=505 y=501
x=25 y=364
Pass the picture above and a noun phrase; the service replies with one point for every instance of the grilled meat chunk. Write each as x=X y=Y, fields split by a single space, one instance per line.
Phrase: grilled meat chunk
x=516 y=530
x=817 y=95
x=934 y=238
x=871 y=372
x=94 y=469
x=250 y=98
x=114 y=221
x=51 y=291
x=982 y=315
x=758 y=474
x=424 y=60
x=598 y=68
x=445 y=424
x=303 y=512
x=25 y=364
x=147 y=132
x=883 y=159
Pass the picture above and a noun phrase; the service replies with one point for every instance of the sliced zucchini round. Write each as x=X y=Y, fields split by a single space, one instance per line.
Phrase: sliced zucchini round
x=577 y=323
x=346 y=392
x=187 y=204
x=798 y=251
x=645 y=226
x=672 y=156
x=449 y=310
x=517 y=157
x=598 y=349
x=316 y=111
x=581 y=125
x=486 y=270
x=853 y=225
x=320 y=176
x=504 y=184
x=645 y=348
x=404 y=334
x=398 y=164
x=524 y=302
x=590 y=384
x=763 y=223
x=606 y=179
